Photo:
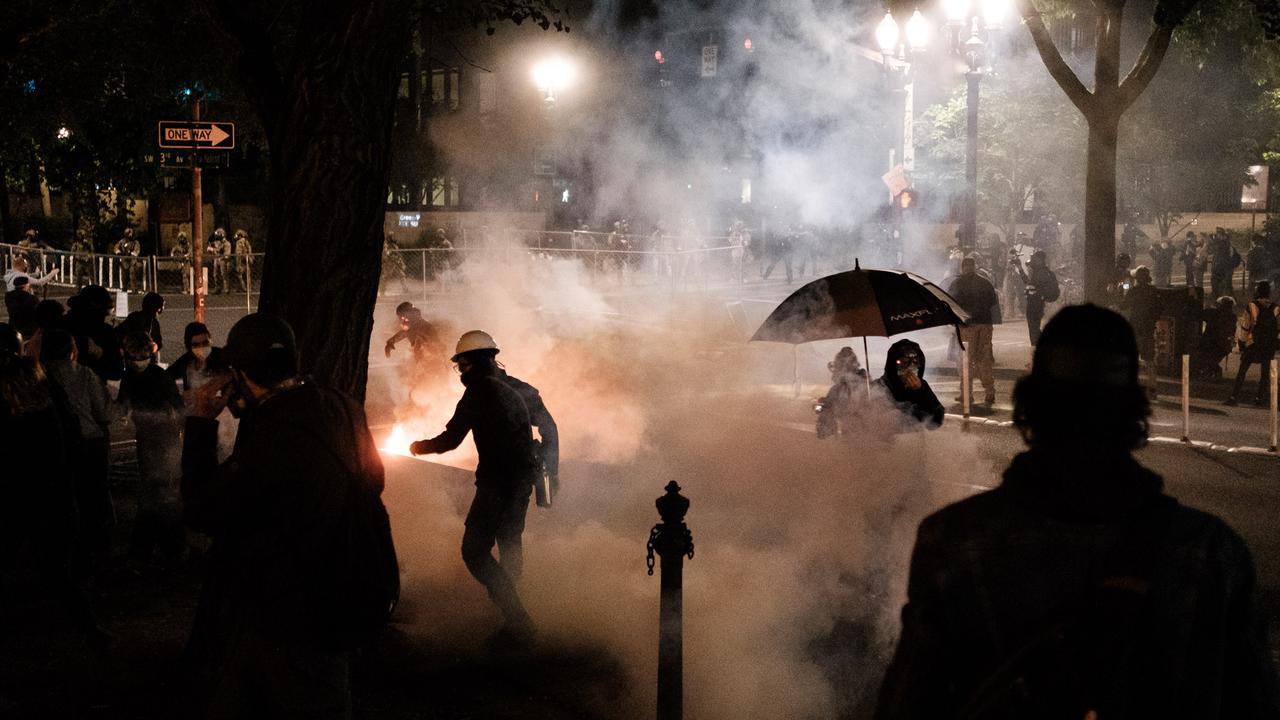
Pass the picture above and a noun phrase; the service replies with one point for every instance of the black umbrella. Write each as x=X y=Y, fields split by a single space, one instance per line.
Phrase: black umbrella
x=861 y=303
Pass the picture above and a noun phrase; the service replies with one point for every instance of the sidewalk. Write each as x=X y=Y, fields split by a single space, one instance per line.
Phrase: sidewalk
x=1212 y=424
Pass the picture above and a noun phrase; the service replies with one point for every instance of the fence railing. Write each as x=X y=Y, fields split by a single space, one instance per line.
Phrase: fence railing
x=682 y=262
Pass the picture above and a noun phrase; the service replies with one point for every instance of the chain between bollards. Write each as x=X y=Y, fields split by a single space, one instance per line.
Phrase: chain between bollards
x=672 y=541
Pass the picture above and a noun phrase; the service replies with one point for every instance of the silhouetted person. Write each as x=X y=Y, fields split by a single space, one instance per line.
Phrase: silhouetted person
x=978 y=297
x=1215 y=339
x=1258 y=341
x=271 y=634
x=1077 y=585
x=98 y=346
x=1141 y=306
x=1042 y=288
x=146 y=320
x=904 y=385
x=507 y=469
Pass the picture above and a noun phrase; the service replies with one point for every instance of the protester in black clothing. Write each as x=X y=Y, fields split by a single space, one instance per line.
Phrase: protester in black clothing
x=1141 y=307
x=978 y=298
x=780 y=247
x=151 y=399
x=548 y=443
x=422 y=335
x=1077 y=588
x=1215 y=339
x=507 y=469
x=20 y=303
x=98 y=346
x=146 y=320
x=904 y=385
x=268 y=636
x=1223 y=261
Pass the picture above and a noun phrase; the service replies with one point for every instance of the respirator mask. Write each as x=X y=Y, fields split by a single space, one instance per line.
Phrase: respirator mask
x=908 y=369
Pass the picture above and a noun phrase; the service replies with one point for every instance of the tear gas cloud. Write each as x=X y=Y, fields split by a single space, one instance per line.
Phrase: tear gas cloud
x=791 y=601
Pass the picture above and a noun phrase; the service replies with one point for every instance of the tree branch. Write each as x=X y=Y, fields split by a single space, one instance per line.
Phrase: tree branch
x=1075 y=90
x=1144 y=69
x=256 y=63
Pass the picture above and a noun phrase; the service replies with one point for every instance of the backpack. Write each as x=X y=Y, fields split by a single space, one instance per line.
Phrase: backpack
x=1050 y=291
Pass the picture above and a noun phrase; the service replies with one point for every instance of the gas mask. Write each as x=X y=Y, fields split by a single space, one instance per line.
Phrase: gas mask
x=908 y=369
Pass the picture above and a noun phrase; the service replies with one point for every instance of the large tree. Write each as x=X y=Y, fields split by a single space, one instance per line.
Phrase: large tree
x=1104 y=106
x=323 y=77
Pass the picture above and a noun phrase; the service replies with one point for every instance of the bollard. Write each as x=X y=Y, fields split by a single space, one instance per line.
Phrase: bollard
x=672 y=541
x=965 y=388
x=1186 y=398
x=1275 y=406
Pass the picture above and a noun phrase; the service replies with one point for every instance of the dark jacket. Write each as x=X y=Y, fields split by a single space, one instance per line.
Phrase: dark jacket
x=989 y=572
x=87 y=325
x=976 y=295
x=540 y=418
x=139 y=321
x=499 y=420
x=920 y=403
x=21 y=307
x=274 y=510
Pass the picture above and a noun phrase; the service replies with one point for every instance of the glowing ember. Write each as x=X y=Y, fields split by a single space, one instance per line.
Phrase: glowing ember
x=397 y=443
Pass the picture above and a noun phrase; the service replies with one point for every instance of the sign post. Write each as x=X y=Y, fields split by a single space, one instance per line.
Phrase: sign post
x=194 y=135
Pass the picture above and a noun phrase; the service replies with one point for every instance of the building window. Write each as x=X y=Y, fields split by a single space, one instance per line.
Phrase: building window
x=444 y=87
x=444 y=192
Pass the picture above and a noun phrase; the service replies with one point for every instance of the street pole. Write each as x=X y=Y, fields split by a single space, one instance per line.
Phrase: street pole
x=197 y=224
x=969 y=233
x=1186 y=398
x=672 y=542
x=1275 y=405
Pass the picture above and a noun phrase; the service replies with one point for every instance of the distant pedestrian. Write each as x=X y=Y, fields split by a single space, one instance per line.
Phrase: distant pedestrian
x=781 y=247
x=147 y=320
x=82 y=269
x=978 y=298
x=1162 y=254
x=1042 y=288
x=219 y=252
x=127 y=251
x=1216 y=338
x=1258 y=337
x=201 y=362
x=1190 y=252
x=181 y=253
x=1223 y=261
x=1077 y=588
x=1141 y=307
x=243 y=251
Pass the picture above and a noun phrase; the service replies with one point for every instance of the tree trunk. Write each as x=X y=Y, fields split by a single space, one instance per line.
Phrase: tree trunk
x=1100 y=207
x=330 y=141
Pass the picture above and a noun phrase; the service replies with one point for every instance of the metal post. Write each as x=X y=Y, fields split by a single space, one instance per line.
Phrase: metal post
x=672 y=542
x=423 y=254
x=1275 y=403
x=197 y=224
x=1186 y=398
x=965 y=389
x=968 y=236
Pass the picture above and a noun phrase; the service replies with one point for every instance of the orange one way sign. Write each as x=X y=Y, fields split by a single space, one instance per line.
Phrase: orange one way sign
x=187 y=134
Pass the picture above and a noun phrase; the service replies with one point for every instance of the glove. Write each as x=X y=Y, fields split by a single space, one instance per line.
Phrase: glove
x=419 y=447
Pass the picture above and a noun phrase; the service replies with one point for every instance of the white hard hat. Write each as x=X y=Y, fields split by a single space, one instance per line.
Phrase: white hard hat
x=475 y=340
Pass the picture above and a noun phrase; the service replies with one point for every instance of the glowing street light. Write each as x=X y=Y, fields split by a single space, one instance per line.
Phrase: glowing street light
x=552 y=76
x=64 y=132
x=887 y=34
x=917 y=32
x=994 y=13
x=957 y=12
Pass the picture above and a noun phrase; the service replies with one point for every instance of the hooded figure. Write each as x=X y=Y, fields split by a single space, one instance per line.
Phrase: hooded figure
x=904 y=383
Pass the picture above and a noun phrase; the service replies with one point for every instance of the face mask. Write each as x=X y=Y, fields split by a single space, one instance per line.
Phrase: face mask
x=202 y=352
x=138 y=365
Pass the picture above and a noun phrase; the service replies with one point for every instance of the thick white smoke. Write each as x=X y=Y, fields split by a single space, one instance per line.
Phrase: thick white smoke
x=791 y=600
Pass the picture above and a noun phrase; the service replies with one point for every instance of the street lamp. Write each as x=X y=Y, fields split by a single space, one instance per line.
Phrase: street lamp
x=552 y=76
x=977 y=19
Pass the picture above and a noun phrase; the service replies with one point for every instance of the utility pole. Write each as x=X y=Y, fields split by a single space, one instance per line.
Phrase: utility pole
x=197 y=219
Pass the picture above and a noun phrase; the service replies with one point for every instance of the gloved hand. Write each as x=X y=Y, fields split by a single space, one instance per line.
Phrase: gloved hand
x=419 y=447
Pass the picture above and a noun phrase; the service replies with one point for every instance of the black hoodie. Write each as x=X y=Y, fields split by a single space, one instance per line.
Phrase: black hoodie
x=920 y=403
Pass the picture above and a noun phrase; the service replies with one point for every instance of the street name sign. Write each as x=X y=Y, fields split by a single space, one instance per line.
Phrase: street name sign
x=189 y=134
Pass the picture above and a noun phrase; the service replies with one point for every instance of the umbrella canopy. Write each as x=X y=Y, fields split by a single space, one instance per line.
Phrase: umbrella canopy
x=878 y=303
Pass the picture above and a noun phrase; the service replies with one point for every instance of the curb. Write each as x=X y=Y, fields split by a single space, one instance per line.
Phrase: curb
x=1161 y=439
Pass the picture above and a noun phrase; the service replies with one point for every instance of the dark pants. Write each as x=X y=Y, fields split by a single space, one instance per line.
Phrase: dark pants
x=785 y=258
x=1262 y=356
x=498 y=517
x=158 y=524
x=1035 y=314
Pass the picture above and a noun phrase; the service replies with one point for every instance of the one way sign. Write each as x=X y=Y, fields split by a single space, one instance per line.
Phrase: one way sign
x=186 y=134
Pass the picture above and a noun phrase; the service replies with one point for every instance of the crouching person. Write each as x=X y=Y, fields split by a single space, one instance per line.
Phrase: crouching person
x=301 y=569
